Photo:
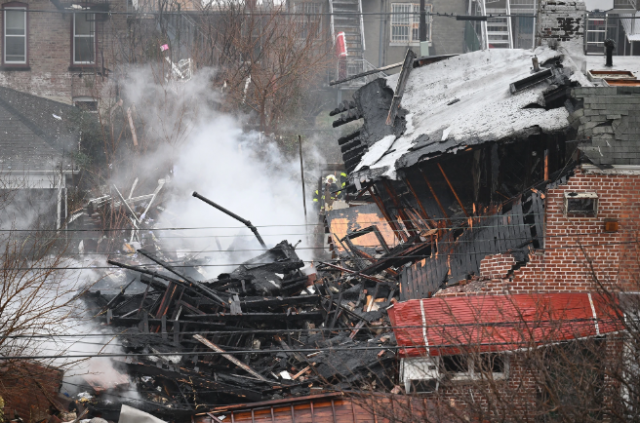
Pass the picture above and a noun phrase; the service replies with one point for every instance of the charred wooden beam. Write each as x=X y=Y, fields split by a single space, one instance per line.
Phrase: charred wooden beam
x=210 y=292
x=455 y=194
x=343 y=107
x=435 y=196
x=394 y=199
x=425 y=215
x=402 y=237
x=232 y=359
x=353 y=272
x=280 y=301
x=407 y=66
x=311 y=315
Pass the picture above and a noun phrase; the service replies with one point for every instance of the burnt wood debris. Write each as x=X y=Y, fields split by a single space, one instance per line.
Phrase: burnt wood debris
x=421 y=206
x=265 y=331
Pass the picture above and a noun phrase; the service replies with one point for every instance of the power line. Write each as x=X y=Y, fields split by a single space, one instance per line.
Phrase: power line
x=292 y=350
x=419 y=256
x=251 y=331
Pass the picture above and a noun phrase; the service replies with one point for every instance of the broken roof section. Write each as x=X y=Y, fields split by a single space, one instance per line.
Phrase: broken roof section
x=458 y=102
x=36 y=132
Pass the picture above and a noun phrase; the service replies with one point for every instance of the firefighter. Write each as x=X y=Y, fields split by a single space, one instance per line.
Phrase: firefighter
x=342 y=182
x=320 y=197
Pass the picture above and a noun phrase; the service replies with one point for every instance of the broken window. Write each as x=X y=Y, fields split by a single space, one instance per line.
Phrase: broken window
x=484 y=366
x=84 y=38
x=581 y=204
x=86 y=104
x=15 y=35
x=405 y=23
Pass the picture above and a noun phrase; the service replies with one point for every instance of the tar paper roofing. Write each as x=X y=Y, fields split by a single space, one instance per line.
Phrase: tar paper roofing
x=465 y=100
x=35 y=133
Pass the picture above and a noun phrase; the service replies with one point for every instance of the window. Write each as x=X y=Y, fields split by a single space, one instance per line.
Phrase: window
x=15 y=35
x=581 y=204
x=84 y=38
x=405 y=23
x=483 y=366
x=309 y=19
x=86 y=104
x=424 y=374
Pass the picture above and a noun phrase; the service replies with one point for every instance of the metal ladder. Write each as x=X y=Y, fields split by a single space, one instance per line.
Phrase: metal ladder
x=346 y=16
x=498 y=29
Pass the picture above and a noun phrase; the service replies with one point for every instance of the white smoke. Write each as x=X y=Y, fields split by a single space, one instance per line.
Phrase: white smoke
x=209 y=153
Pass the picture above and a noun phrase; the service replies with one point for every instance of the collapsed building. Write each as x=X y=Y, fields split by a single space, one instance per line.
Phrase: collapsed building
x=467 y=177
x=502 y=177
x=271 y=329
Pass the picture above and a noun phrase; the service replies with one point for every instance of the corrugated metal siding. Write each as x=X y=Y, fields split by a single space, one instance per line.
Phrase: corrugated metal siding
x=498 y=322
x=457 y=258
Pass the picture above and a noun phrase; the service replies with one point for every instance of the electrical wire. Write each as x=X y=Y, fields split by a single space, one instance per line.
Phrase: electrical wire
x=408 y=256
x=251 y=331
x=288 y=351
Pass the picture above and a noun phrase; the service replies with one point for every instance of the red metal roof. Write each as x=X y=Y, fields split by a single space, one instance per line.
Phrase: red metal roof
x=450 y=325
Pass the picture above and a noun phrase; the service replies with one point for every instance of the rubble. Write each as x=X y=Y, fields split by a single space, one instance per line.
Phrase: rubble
x=269 y=329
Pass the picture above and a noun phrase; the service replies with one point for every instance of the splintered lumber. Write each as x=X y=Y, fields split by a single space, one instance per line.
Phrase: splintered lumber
x=210 y=293
x=353 y=272
x=155 y=274
x=407 y=66
x=231 y=358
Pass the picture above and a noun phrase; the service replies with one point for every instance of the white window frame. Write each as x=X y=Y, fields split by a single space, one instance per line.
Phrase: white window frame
x=470 y=374
x=413 y=17
x=92 y=17
x=570 y=195
x=424 y=369
x=4 y=47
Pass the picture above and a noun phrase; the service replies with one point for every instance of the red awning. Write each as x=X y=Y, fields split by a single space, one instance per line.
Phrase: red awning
x=451 y=325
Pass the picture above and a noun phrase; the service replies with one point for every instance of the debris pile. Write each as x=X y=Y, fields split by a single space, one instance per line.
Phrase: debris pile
x=270 y=329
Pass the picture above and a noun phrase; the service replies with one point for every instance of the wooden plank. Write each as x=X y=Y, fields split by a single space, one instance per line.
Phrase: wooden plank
x=232 y=358
x=407 y=67
x=455 y=194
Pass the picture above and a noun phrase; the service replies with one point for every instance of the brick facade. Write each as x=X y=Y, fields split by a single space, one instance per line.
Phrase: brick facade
x=560 y=20
x=50 y=72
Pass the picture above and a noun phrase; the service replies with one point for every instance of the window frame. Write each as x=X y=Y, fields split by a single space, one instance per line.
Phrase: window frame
x=471 y=375
x=73 y=41
x=79 y=100
x=414 y=23
x=15 y=65
x=584 y=195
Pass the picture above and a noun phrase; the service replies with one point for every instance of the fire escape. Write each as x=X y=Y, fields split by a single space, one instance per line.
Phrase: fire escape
x=346 y=16
x=502 y=29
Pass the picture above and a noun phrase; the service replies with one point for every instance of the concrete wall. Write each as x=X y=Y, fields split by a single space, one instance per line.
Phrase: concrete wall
x=447 y=34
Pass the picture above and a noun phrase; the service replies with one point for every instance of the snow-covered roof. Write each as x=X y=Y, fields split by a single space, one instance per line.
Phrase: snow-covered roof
x=462 y=101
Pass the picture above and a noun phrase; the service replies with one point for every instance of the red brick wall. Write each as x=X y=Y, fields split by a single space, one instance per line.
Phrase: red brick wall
x=28 y=389
x=49 y=55
x=577 y=251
